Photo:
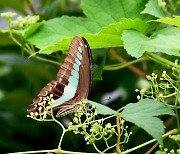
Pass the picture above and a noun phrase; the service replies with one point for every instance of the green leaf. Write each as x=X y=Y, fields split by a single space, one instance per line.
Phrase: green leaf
x=137 y=43
x=31 y=29
x=109 y=36
x=152 y=8
x=23 y=33
x=110 y=11
x=102 y=109
x=172 y=21
x=144 y=114
x=56 y=34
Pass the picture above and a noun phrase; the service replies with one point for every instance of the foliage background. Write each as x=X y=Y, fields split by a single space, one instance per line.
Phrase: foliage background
x=22 y=78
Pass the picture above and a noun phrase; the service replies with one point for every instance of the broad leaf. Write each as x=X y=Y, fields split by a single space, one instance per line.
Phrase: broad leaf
x=109 y=36
x=110 y=11
x=152 y=8
x=137 y=43
x=144 y=114
x=172 y=21
x=102 y=109
x=60 y=31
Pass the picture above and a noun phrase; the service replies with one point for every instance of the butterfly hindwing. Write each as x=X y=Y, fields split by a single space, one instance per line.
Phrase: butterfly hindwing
x=73 y=80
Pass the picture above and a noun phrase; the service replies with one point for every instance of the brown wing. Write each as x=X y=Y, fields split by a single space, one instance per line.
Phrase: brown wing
x=85 y=77
x=57 y=87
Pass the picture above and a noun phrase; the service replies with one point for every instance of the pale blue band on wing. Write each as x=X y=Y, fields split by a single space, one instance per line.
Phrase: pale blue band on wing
x=59 y=101
x=75 y=74
x=73 y=80
x=77 y=61
x=79 y=56
x=79 y=49
x=76 y=67
x=70 y=89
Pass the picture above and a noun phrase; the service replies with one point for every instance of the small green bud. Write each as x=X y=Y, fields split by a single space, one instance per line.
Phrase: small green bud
x=136 y=90
x=92 y=130
x=138 y=97
x=122 y=121
x=172 y=151
x=153 y=74
x=126 y=134
x=32 y=113
x=143 y=91
x=173 y=68
x=108 y=125
x=113 y=130
x=160 y=95
x=84 y=127
x=75 y=120
x=161 y=3
x=165 y=149
x=164 y=72
x=167 y=85
x=36 y=114
x=87 y=138
x=148 y=77
x=176 y=61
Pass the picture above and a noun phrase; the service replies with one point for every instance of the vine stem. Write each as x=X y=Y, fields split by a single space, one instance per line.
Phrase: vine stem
x=96 y=148
x=29 y=50
x=174 y=131
x=119 y=135
x=37 y=151
x=53 y=150
x=160 y=59
x=63 y=129
x=122 y=60
x=122 y=65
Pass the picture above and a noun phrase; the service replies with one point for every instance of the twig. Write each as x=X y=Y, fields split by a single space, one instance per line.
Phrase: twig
x=131 y=67
x=119 y=135
x=174 y=131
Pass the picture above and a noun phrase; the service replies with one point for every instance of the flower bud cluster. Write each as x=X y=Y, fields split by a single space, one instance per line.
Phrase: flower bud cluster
x=85 y=123
x=161 y=88
x=8 y=15
x=20 y=22
x=43 y=108
x=167 y=151
x=175 y=137
x=23 y=22
x=124 y=131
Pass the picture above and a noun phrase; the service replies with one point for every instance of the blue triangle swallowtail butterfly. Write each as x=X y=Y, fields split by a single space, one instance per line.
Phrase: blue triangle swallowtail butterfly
x=73 y=80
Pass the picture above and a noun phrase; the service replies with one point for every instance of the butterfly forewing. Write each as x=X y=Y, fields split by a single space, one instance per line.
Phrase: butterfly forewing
x=73 y=80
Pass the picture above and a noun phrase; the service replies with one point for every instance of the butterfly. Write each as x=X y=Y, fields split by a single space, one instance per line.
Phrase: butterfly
x=73 y=81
